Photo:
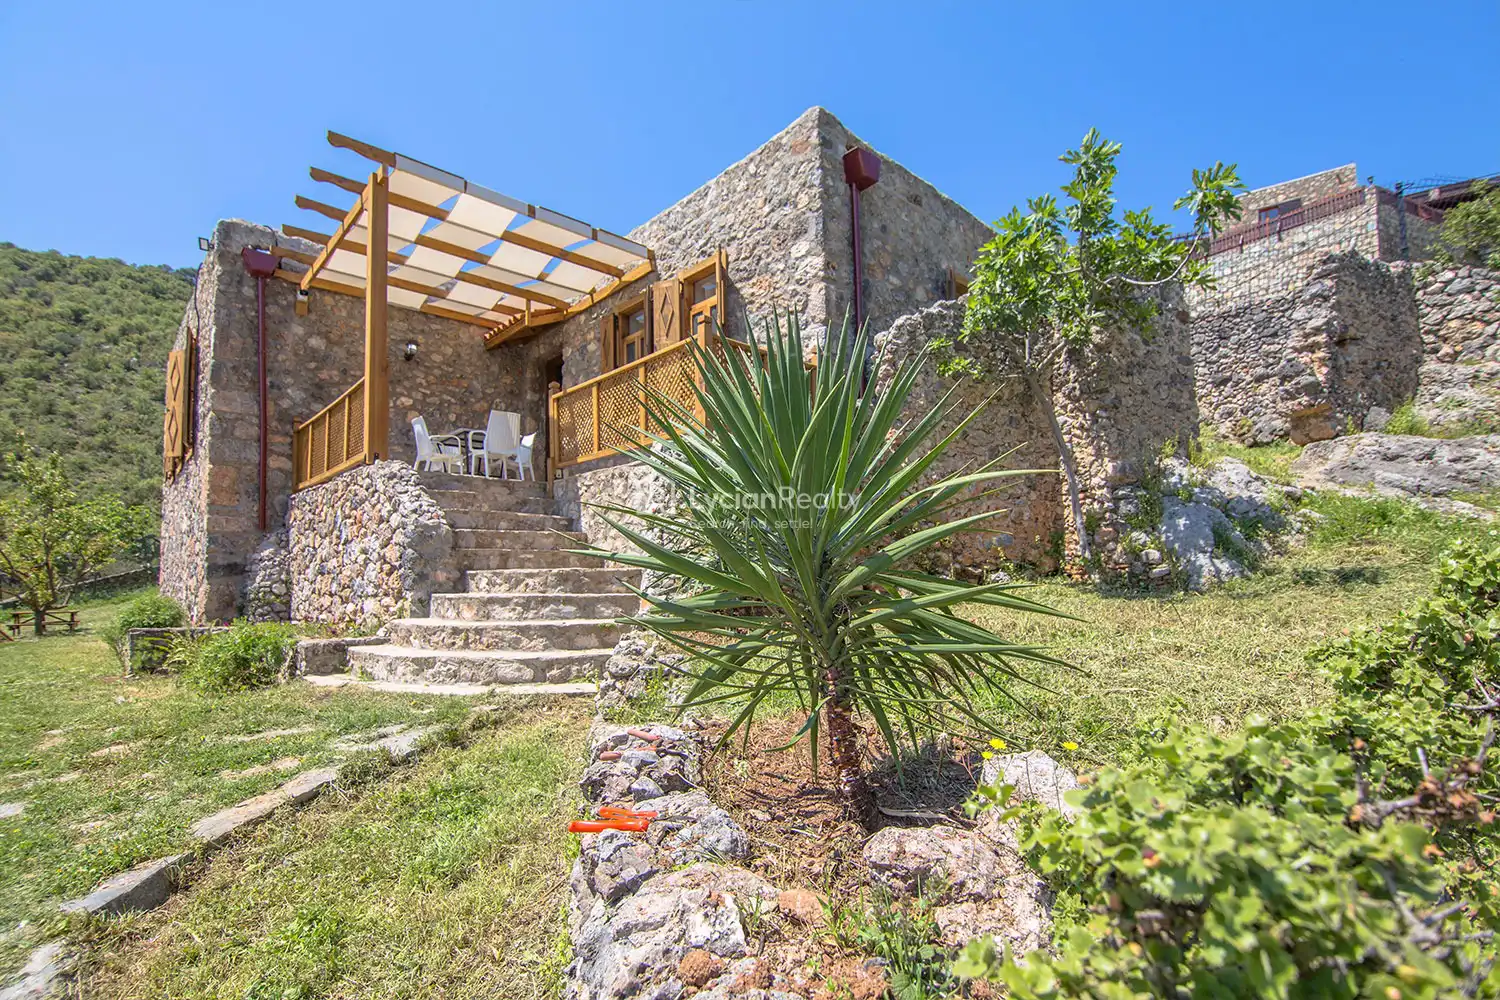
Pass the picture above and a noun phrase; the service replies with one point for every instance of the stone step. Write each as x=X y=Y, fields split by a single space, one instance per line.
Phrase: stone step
x=462 y=666
x=533 y=607
x=562 y=580
x=531 y=541
x=495 y=487
x=507 y=520
x=488 y=500
x=573 y=689
x=537 y=636
x=505 y=559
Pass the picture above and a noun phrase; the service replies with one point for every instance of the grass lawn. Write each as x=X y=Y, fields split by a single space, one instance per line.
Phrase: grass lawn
x=446 y=879
x=112 y=770
x=1215 y=658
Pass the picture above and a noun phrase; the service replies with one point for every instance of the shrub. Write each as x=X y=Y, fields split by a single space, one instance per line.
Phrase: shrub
x=151 y=610
x=249 y=655
x=1348 y=854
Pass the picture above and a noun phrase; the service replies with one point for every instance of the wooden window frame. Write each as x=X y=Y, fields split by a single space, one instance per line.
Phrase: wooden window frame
x=958 y=284
x=613 y=354
x=1273 y=212
x=697 y=315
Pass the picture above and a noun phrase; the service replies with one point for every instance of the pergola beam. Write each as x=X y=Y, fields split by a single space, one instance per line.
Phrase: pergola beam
x=441 y=214
x=347 y=223
x=535 y=321
x=464 y=277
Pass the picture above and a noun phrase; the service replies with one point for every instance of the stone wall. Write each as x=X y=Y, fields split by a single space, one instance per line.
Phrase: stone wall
x=782 y=214
x=1313 y=187
x=209 y=513
x=369 y=544
x=1308 y=363
x=1275 y=266
x=1460 y=314
x=1129 y=396
x=913 y=235
x=1010 y=423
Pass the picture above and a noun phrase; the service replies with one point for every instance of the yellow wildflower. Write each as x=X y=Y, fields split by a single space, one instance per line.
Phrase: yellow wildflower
x=1069 y=745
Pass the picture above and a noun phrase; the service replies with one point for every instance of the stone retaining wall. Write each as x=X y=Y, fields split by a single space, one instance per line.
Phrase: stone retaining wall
x=1309 y=363
x=1460 y=314
x=368 y=544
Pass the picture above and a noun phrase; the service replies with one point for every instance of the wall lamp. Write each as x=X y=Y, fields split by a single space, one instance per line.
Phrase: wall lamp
x=411 y=350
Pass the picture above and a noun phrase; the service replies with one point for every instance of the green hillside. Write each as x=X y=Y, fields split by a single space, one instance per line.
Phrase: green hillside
x=83 y=346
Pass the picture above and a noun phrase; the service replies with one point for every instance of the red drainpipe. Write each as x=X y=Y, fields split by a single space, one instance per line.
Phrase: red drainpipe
x=261 y=265
x=861 y=170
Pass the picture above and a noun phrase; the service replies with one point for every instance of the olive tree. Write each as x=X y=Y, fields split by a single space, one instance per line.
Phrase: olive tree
x=51 y=541
x=1057 y=275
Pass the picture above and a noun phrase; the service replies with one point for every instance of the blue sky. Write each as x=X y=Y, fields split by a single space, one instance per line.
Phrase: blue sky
x=126 y=130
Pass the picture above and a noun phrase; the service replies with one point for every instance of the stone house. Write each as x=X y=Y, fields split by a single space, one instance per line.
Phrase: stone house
x=292 y=386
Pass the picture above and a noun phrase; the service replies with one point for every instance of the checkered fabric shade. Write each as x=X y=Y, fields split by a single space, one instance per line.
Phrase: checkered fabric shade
x=473 y=219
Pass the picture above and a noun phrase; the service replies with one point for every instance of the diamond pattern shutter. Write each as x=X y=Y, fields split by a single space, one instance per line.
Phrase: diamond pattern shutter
x=666 y=312
x=175 y=422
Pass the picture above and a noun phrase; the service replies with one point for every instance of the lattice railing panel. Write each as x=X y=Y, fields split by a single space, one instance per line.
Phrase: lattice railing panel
x=332 y=441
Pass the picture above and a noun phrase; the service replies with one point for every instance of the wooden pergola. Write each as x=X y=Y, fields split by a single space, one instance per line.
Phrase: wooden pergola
x=425 y=239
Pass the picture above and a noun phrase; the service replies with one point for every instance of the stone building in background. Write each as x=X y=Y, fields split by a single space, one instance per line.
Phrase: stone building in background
x=1315 y=321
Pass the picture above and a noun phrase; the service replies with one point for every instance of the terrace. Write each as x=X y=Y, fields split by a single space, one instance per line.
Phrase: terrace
x=462 y=252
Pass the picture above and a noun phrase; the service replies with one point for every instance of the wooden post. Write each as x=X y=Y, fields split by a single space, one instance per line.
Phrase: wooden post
x=377 y=357
x=554 y=438
x=595 y=395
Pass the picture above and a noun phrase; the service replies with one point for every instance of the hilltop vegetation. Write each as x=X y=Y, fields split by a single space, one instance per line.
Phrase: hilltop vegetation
x=83 y=346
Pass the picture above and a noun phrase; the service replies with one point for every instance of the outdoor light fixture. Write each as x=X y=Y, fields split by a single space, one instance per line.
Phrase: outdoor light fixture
x=411 y=350
x=205 y=244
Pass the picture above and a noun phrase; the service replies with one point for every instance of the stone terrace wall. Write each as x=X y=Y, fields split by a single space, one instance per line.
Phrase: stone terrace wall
x=371 y=543
x=1460 y=314
x=1276 y=266
x=1304 y=365
x=1032 y=504
x=1130 y=396
x=209 y=524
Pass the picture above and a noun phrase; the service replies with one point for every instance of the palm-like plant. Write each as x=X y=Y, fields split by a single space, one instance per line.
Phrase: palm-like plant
x=801 y=506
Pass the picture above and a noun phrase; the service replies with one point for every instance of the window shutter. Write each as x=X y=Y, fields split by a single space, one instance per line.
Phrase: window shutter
x=173 y=423
x=721 y=284
x=666 y=311
x=606 y=343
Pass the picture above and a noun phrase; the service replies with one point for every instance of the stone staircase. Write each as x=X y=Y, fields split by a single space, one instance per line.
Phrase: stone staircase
x=533 y=617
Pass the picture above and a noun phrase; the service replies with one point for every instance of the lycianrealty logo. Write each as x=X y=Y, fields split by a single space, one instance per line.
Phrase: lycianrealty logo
x=786 y=498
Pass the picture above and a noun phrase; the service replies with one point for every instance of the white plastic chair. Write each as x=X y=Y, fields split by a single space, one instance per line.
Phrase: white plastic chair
x=524 y=462
x=443 y=453
x=501 y=438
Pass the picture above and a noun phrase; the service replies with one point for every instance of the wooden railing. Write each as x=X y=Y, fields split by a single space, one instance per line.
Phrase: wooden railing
x=332 y=441
x=607 y=415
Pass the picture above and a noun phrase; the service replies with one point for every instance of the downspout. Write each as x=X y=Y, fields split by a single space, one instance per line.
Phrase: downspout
x=261 y=265
x=861 y=170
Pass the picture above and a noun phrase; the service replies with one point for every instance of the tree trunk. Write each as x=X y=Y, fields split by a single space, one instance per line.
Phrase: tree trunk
x=1070 y=468
x=845 y=753
x=39 y=621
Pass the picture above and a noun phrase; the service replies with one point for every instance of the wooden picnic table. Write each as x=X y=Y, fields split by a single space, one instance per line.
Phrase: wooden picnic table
x=20 y=618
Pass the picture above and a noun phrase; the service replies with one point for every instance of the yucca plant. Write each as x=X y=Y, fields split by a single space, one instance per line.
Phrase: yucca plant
x=801 y=509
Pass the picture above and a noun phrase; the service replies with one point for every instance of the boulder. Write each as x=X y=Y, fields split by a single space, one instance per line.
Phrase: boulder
x=985 y=885
x=1402 y=465
x=1035 y=777
x=1192 y=532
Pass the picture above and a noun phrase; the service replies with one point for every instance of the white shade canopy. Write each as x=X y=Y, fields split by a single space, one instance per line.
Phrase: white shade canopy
x=456 y=248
